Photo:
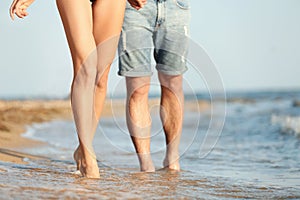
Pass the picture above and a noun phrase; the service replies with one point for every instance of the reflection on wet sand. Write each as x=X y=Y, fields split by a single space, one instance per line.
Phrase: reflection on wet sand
x=52 y=179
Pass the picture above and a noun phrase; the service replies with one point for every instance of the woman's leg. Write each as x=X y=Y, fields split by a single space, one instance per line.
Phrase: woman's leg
x=78 y=24
x=107 y=23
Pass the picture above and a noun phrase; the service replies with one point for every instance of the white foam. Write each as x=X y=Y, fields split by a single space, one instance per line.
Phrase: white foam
x=33 y=129
x=30 y=131
x=77 y=172
x=289 y=124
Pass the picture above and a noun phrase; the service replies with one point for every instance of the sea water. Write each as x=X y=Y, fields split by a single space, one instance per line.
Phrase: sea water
x=256 y=156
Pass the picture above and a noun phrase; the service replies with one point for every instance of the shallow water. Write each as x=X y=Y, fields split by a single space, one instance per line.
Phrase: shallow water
x=256 y=157
x=51 y=179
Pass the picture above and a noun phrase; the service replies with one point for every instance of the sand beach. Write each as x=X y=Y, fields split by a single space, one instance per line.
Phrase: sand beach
x=254 y=157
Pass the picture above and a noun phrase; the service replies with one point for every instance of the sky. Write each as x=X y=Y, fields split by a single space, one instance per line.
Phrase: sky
x=254 y=44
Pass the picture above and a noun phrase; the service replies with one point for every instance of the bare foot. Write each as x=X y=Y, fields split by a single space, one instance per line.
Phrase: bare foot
x=146 y=163
x=172 y=163
x=86 y=164
x=77 y=157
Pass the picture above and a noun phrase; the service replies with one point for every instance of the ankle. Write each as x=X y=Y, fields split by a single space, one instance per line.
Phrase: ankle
x=172 y=155
x=146 y=164
x=171 y=161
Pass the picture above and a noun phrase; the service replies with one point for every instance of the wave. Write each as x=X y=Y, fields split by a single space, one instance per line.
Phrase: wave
x=31 y=131
x=289 y=124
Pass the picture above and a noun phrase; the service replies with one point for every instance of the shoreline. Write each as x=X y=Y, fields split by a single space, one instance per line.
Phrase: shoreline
x=17 y=115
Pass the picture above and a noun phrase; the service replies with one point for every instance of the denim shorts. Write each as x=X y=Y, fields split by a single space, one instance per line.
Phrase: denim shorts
x=156 y=35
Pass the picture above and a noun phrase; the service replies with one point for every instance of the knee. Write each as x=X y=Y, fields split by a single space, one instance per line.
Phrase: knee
x=173 y=87
x=171 y=84
x=101 y=82
x=139 y=94
x=85 y=71
x=85 y=77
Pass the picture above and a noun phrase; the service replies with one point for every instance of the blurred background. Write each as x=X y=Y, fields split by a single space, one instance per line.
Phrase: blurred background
x=255 y=47
x=254 y=44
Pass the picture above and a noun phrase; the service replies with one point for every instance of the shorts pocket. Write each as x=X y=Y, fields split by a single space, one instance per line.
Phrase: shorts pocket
x=122 y=41
x=183 y=4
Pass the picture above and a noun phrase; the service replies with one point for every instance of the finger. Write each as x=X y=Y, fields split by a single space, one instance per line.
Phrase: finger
x=19 y=14
x=23 y=14
x=134 y=3
x=21 y=9
x=137 y=7
x=12 y=9
x=18 y=9
x=12 y=14
x=141 y=3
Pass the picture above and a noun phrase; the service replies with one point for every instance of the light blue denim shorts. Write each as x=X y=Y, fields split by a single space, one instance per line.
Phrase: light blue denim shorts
x=156 y=35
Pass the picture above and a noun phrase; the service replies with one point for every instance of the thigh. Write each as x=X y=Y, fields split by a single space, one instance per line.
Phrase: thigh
x=136 y=43
x=107 y=23
x=107 y=19
x=76 y=17
x=171 y=39
x=135 y=53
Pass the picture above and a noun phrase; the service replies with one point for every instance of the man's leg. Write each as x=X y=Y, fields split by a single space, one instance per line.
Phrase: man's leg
x=138 y=119
x=171 y=113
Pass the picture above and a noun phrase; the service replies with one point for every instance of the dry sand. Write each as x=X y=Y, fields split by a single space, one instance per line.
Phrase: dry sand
x=16 y=115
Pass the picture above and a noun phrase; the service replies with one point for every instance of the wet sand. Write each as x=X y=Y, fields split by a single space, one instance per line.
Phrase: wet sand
x=15 y=116
x=249 y=160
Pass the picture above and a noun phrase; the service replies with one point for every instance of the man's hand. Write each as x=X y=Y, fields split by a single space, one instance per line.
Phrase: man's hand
x=19 y=7
x=137 y=4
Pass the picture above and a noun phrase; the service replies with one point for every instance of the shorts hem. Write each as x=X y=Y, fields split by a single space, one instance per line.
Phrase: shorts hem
x=135 y=74
x=172 y=73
